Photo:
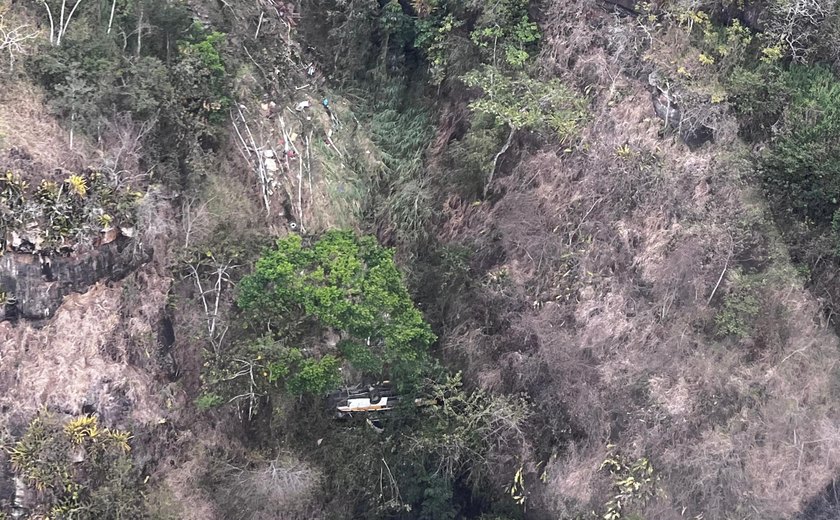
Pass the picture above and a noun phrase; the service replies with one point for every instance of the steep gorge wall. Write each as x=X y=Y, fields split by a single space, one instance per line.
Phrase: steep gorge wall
x=36 y=285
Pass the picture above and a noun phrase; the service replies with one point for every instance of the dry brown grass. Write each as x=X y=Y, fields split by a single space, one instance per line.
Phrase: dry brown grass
x=101 y=350
x=83 y=356
x=26 y=124
x=606 y=316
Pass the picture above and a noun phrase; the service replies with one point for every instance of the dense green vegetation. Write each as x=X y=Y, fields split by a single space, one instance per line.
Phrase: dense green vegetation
x=170 y=80
x=523 y=102
x=803 y=165
x=315 y=306
x=344 y=285
x=781 y=88
x=442 y=460
x=56 y=217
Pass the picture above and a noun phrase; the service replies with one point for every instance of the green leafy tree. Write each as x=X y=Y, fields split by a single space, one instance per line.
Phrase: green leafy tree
x=202 y=74
x=522 y=102
x=501 y=32
x=301 y=375
x=505 y=30
x=433 y=38
x=343 y=284
x=519 y=102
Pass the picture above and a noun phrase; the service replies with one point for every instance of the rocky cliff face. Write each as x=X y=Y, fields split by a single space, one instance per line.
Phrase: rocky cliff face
x=35 y=285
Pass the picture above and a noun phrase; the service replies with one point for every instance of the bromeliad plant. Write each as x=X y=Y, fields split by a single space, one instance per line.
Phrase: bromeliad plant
x=12 y=202
x=57 y=216
x=70 y=463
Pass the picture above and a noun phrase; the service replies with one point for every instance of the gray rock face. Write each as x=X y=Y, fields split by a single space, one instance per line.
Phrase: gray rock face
x=691 y=130
x=38 y=284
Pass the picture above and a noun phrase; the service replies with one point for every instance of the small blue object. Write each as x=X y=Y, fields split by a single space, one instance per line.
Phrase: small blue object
x=325 y=102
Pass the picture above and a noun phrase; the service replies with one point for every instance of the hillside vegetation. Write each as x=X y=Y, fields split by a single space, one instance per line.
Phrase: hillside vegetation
x=581 y=254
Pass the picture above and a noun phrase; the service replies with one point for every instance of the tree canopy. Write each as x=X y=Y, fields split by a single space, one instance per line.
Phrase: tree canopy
x=345 y=284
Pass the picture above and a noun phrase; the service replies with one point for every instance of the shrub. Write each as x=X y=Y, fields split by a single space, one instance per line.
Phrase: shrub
x=208 y=401
x=202 y=74
x=82 y=470
x=434 y=35
x=522 y=102
x=59 y=216
x=759 y=95
x=740 y=308
x=502 y=33
x=469 y=159
x=464 y=430
x=504 y=28
x=802 y=168
x=634 y=483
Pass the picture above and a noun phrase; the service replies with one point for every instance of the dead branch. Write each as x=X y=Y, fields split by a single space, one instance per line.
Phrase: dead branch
x=254 y=151
x=211 y=299
x=496 y=160
x=12 y=41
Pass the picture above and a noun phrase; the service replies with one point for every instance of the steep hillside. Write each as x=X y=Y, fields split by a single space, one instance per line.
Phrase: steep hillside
x=426 y=259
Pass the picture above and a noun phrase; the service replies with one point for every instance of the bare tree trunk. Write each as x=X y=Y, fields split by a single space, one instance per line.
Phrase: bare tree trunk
x=259 y=25
x=12 y=41
x=61 y=21
x=69 y=16
x=211 y=299
x=496 y=160
x=139 y=31
x=52 y=23
x=111 y=19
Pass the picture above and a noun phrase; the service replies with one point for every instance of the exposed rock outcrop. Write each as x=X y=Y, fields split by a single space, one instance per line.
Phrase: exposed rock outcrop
x=36 y=285
x=692 y=125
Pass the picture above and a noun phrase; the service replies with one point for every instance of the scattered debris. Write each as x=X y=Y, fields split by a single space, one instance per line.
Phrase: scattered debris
x=300 y=107
x=375 y=425
x=108 y=235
